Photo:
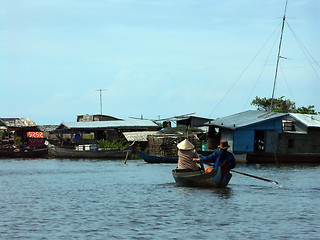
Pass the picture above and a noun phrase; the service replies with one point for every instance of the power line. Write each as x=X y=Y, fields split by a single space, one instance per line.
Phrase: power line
x=241 y=74
x=267 y=59
x=305 y=51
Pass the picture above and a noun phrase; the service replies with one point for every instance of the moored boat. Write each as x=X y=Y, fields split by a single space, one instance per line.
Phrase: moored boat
x=59 y=152
x=218 y=178
x=23 y=152
x=156 y=159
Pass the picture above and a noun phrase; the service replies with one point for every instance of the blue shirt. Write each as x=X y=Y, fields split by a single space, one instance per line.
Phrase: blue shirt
x=215 y=158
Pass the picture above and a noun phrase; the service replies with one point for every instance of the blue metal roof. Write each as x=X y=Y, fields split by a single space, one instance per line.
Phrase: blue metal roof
x=245 y=118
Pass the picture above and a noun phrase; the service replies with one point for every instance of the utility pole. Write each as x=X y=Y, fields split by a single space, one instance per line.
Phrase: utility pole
x=100 y=90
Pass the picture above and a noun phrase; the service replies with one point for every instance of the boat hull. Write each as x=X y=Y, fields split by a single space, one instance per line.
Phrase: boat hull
x=24 y=153
x=219 y=178
x=94 y=154
x=156 y=159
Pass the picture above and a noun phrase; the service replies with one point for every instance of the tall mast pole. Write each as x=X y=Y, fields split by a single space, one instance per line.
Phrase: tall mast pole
x=279 y=56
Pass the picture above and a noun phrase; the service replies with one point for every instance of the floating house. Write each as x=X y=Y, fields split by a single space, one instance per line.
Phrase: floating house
x=269 y=136
x=301 y=134
x=157 y=143
x=21 y=138
x=185 y=120
x=22 y=128
x=114 y=129
x=13 y=124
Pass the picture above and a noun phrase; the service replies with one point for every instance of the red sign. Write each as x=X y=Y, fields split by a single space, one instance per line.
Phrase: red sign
x=35 y=135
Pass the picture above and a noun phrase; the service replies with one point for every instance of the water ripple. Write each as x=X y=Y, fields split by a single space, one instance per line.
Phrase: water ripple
x=56 y=199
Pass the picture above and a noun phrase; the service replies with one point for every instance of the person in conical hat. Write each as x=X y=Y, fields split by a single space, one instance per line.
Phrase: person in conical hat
x=219 y=157
x=186 y=153
x=185 y=145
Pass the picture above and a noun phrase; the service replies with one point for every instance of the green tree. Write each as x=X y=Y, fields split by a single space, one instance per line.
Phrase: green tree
x=307 y=110
x=281 y=105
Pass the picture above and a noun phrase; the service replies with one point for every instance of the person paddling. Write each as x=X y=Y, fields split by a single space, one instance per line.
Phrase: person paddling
x=218 y=157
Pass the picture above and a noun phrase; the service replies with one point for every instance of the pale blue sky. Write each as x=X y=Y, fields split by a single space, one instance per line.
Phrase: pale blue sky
x=154 y=57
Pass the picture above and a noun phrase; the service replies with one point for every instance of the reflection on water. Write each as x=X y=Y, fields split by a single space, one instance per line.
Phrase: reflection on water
x=205 y=192
x=224 y=193
x=62 y=199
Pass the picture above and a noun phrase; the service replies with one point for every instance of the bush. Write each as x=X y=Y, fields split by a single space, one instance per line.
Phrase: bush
x=118 y=144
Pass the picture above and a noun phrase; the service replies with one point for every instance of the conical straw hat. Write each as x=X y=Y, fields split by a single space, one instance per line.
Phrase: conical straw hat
x=185 y=145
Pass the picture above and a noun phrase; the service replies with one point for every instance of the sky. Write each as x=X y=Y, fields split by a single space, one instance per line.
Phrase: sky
x=154 y=58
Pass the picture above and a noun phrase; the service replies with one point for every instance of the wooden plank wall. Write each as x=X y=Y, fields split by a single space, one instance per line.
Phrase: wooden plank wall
x=162 y=146
x=300 y=143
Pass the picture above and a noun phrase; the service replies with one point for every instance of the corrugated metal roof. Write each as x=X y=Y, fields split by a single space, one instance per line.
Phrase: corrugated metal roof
x=245 y=118
x=48 y=128
x=109 y=124
x=190 y=117
x=308 y=120
x=18 y=122
x=139 y=136
x=2 y=123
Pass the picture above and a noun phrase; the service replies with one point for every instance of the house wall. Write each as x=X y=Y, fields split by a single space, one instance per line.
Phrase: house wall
x=299 y=139
x=198 y=122
x=244 y=137
x=92 y=118
x=271 y=140
x=228 y=135
x=193 y=121
x=299 y=143
x=297 y=126
x=163 y=146
x=244 y=140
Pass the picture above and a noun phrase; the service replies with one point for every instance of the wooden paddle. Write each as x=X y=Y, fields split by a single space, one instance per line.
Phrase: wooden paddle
x=249 y=175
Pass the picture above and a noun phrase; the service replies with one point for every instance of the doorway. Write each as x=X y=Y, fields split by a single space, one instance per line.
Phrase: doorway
x=259 y=141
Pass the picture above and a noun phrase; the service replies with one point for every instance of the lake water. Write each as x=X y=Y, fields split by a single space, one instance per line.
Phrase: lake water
x=64 y=199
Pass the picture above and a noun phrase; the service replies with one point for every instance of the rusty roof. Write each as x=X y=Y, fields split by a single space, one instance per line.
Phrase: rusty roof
x=18 y=122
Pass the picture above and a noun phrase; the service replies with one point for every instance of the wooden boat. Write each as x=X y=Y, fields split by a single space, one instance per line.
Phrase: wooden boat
x=218 y=178
x=59 y=152
x=23 y=152
x=155 y=159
